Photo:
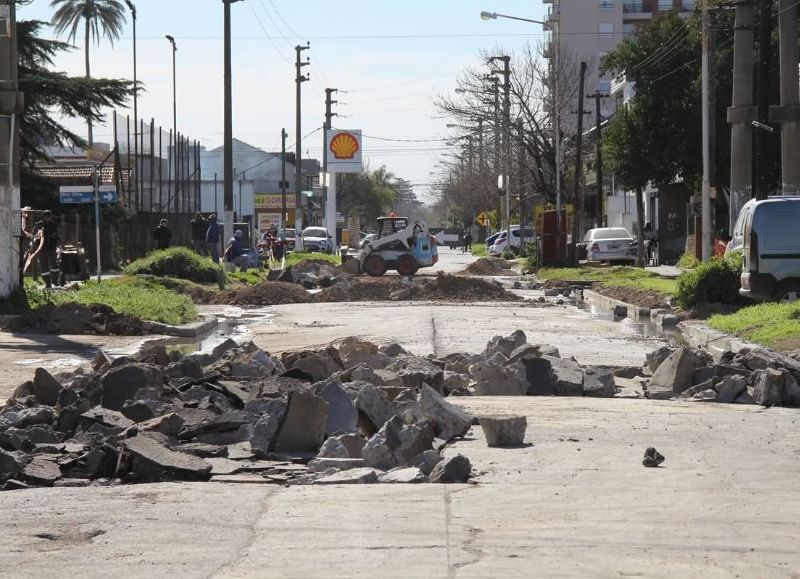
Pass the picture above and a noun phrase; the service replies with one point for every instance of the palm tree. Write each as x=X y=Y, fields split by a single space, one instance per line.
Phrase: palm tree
x=100 y=17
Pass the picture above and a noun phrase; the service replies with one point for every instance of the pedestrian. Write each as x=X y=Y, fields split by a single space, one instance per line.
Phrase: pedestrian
x=162 y=235
x=467 y=241
x=234 y=252
x=199 y=230
x=45 y=247
x=212 y=237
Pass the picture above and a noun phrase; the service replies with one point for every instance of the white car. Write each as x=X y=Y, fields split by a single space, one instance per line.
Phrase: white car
x=317 y=239
x=609 y=244
x=501 y=243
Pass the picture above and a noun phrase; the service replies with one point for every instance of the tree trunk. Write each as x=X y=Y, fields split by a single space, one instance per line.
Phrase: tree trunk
x=88 y=75
x=640 y=228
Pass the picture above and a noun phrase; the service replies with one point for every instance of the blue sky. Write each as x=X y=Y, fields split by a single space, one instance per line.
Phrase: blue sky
x=391 y=58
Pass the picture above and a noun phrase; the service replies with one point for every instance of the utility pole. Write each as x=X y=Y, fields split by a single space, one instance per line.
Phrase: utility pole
x=764 y=81
x=284 y=216
x=506 y=73
x=300 y=78
x=577 y=217
x=740 y=115
x=11 y=105
x=228 y=144
x=788 y=113
x=496 y=92
x=330 y=204
x=706 y=116
x=599 y=204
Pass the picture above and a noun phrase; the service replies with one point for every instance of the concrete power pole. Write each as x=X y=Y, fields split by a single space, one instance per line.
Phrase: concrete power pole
x=598 y=157
x=298 y=153
x=228 y=143
x=577 y=217
x=330 y=204
x=11 y=101
x=740 y=115
x=788 y=113
x=764 y=82
x=706 y=115
x=284 y=216
x=506 y=72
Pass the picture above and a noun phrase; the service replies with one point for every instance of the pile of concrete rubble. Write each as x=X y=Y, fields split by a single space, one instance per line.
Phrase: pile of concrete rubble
x=748 y=377
x=350 y=413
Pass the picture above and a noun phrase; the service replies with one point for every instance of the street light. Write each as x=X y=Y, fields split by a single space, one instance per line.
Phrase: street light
x=174 y=87
x=494 y=16
x=132 y=8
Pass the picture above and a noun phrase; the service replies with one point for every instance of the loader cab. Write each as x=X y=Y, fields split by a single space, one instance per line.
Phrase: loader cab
x=390 y=225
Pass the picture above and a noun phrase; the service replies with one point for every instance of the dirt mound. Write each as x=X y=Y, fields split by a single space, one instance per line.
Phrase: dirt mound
x=555 y=284
x=77 y=319
x=453 y=288
x=488 y=266
x=637 y=297
x=443 y=287
x=269 y=293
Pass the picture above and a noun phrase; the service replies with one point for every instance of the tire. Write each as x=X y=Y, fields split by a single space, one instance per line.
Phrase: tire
x=375 y=266
x=788 y=292
x=407 y=265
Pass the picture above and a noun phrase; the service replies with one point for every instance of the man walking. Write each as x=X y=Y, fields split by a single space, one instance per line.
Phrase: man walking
x=212 y=237
x=162 y=235
x=199 y=230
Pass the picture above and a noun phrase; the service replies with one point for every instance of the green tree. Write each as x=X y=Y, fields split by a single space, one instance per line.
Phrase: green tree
x=49 y=93
x=405 y=199
x=629 y=152
x=366 y=195
x=100 y=18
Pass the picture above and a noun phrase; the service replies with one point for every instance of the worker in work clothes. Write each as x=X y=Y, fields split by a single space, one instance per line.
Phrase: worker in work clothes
x=162 y=235
x=199 y=230
x=234 y=252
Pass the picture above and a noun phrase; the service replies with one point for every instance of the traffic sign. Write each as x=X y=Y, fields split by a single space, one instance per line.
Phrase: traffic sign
x=482 y=219
x=71 y=195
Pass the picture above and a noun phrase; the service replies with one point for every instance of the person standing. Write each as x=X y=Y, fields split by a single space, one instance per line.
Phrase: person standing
x=212 y=237
x=199 y=230
x=467 y=241
x=162 y=235
x=46 y=239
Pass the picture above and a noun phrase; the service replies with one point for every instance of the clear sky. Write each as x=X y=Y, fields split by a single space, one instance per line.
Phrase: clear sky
x=388 y=58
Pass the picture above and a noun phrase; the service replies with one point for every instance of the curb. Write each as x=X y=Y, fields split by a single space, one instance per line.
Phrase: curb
x=612 y=304
x=186 y=331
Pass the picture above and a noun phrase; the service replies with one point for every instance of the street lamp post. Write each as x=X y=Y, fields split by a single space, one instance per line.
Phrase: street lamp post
x=228 y=120
x=132 y=8
x=174 y=86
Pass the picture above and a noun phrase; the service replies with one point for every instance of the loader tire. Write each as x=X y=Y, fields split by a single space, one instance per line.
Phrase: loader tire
x=375 y=266
x=407 y=265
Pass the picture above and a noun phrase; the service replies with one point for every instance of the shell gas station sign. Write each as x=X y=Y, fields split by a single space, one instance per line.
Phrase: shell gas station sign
x=343 y=151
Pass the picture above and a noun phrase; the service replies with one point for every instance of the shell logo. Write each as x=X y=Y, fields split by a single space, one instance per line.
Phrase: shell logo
x=344 y=146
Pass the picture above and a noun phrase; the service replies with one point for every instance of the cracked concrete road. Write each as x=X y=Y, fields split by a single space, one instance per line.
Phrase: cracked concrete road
x=575 y=503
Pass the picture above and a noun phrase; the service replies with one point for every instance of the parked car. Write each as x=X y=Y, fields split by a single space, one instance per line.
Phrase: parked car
x=317 y=239
x=492 y=238
x=771 y=250
x=517 y=238
x=737 y=235
x=610 y=244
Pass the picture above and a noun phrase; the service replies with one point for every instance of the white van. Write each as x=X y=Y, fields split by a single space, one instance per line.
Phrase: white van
x=771 y=250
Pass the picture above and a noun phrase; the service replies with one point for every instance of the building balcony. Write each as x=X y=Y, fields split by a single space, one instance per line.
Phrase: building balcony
x=553 y=13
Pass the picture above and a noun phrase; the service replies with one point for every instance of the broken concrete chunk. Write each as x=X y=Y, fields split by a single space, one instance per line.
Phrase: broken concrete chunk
x=350 y=477
x=407 y=475
x=675 y=374
x=21 y=416
x=267 y=426
x=452 y=470
x=342 y=412
x=655 y=358
x=450 y=421
x=393 y=350
x=652 y=458
x=599 y=382
x=427 y=461
x=504 y=431
x=106 y=417
x=322 y=464
x=303 y=428
x=375 y=405
x=122 y=383
x=333 y=448
x=396 y=444
x=731 y=388
x=567 y=376
x=45 y=388
x=355 y=352
x=505 y=344
x=497 y=379
x=41 y=472
x=769 y=387
x=539 y=375
x=12 y=463
x=415 y=371
x=152 y=462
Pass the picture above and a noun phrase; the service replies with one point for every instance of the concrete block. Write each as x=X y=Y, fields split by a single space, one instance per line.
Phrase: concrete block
x=303 y=428
x=504 y=431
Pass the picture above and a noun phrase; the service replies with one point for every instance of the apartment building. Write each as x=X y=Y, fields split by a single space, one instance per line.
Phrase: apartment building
x=586 y=30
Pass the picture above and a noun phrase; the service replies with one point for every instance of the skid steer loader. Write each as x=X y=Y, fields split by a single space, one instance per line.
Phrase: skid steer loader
x=399 y=245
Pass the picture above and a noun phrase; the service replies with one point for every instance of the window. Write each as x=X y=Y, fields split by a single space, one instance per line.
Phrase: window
x=604 y=86
x=688 y=5
x=665 y=5
x=628 y=30
x=605 y=29
x=605 y=5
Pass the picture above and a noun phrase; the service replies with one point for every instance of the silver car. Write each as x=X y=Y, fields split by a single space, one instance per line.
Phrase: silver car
x=609 y=244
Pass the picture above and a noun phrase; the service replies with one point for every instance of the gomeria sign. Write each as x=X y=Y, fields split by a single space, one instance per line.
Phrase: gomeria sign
x=343 y=151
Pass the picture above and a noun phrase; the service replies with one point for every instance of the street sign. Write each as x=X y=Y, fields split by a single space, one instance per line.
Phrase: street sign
x=482 y=219
x=72 y=195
